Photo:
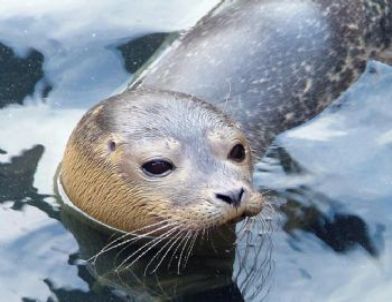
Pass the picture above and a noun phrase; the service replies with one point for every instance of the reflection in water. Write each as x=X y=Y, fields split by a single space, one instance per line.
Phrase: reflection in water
x=63 y=294
x=180 y=271
x=19 y=75
x=253 y=266
x=16 y=178
x=22 y=247
x=342 y=232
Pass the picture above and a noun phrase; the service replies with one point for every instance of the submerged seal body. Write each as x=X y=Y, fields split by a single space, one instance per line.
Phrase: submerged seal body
x=174 y=154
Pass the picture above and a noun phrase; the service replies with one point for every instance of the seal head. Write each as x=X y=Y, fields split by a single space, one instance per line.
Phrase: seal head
x=147 y=160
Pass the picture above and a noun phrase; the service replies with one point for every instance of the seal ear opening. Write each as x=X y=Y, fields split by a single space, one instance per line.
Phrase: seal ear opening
x=112 y=145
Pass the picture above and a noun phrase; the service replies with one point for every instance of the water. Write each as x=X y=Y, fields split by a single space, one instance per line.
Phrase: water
x=338 y=240
x=332 y=233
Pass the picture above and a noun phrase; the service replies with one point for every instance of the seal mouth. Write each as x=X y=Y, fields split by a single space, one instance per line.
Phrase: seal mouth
x=237 y=219
x=243 y=216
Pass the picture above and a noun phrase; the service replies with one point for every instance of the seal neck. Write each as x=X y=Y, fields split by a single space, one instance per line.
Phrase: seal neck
x=379 y=21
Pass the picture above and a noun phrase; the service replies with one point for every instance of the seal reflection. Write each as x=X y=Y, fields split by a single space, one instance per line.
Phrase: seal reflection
x=233 y=264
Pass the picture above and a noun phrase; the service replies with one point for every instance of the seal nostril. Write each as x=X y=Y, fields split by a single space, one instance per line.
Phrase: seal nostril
x=225 y=198
x=233 y=197
x=241 y=194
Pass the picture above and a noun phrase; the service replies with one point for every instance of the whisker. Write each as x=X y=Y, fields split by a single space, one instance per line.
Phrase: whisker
x=167 y=251
x=127 y=243
x=118 y=254
x=143 y=246
x=173 y=237
x=242 y=264
x=148 y=246
x=242 y=226
x=135 y=232
x=247 y=226
x=261 y=270
x=187 y=236
x=192 y=244
x=210 y=239
x=176 y=249
x=203 y=238
x=137 y=237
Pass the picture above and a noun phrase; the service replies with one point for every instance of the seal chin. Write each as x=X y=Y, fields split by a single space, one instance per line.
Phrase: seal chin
x=208 y=214
x=252 y=207
x=255 y=205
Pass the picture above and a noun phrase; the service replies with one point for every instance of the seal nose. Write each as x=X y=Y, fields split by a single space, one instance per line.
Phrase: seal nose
x=232 y=197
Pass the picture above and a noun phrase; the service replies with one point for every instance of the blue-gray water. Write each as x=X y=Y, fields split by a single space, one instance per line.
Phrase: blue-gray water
x=331 y=239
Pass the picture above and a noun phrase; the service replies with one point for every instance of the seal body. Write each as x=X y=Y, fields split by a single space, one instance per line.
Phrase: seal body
x=175 y=153
x=272 y=65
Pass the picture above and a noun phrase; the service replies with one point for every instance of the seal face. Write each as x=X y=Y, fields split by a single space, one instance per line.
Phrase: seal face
x=156 y=160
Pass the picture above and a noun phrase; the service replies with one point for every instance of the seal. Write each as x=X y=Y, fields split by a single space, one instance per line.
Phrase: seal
x=174 y=154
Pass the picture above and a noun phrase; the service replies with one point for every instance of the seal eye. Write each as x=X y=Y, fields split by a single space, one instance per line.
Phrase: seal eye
x=157 y=167
x=237 y=153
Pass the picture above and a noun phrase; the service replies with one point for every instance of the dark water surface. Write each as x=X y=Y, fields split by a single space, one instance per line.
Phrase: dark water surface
x=330 y=179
